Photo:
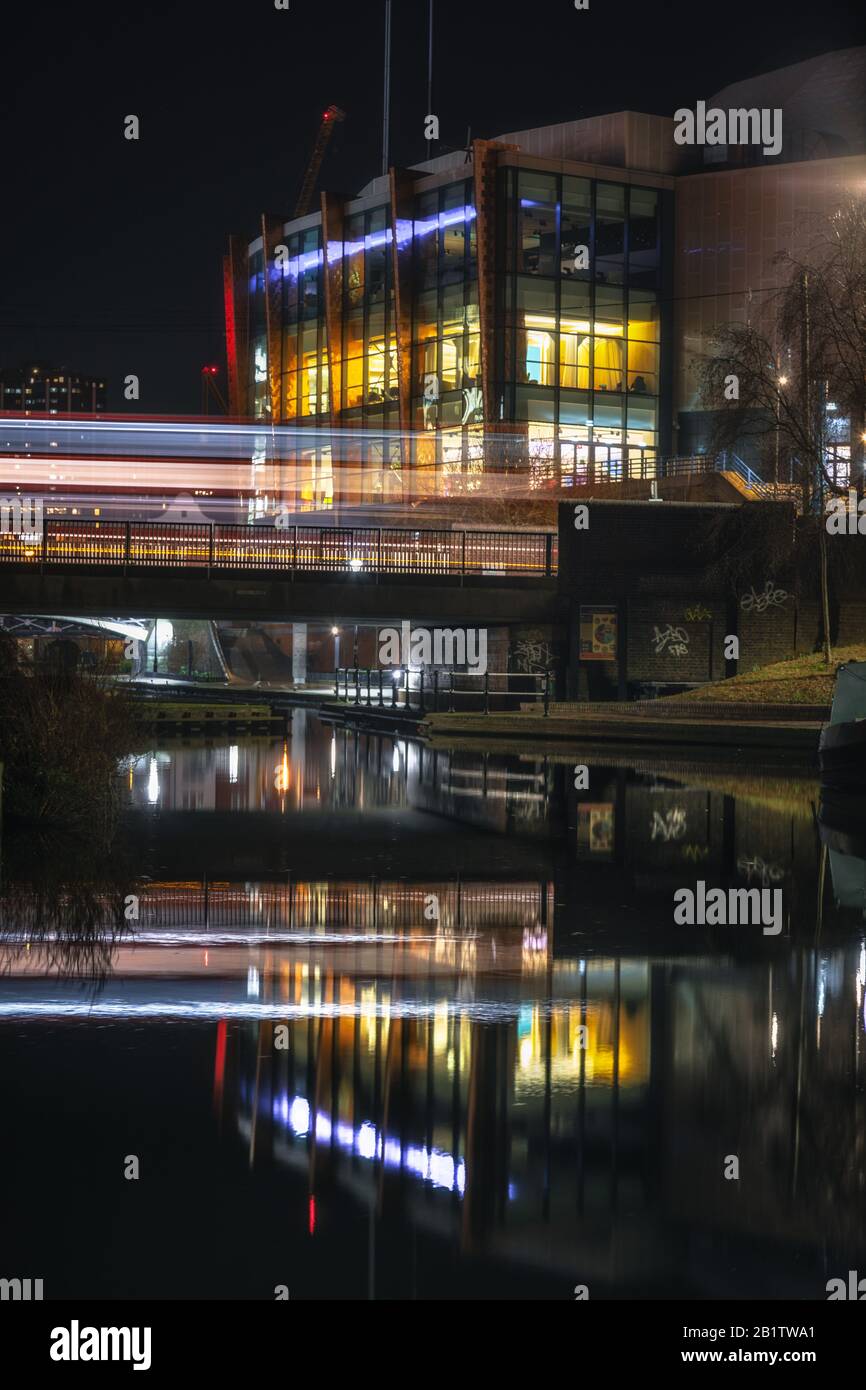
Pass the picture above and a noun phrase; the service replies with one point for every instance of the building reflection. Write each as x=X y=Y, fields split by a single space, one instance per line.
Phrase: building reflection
x=607 y=1157
x=493 y=1037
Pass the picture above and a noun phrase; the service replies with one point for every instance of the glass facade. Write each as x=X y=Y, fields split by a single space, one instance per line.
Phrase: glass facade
x=447 y=405
x=579 y=297
x=575 y=338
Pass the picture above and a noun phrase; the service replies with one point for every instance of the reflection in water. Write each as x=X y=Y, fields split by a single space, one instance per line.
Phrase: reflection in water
x=429 y=1014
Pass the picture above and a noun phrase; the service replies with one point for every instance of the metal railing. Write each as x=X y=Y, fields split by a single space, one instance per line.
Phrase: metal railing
x=364 y=550
x=442 y=691
x=689 y=465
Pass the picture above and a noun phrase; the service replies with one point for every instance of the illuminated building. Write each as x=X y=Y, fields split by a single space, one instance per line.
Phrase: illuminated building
x=51 y=389
x=535 y=303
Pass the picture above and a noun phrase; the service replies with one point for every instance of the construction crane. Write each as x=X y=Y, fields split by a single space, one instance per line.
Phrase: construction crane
x=331 y=117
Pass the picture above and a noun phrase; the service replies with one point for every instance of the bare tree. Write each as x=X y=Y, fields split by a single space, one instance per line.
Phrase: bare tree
x=779 y=382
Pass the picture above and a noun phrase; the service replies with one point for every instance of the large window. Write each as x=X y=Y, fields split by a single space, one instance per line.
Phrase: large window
x=369 y=376
x=303 y=366
x=579 y=315
x=446 y=354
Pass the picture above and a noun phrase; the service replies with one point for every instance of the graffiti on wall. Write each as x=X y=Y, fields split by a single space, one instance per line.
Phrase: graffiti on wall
x=670 y=826
x=769 y=597
x=532 y=654
x=760 y=870
x=698 y=614
x=694 y=853
x=671 y=640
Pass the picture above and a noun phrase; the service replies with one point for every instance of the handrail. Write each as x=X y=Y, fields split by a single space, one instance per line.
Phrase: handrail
x=366 y=685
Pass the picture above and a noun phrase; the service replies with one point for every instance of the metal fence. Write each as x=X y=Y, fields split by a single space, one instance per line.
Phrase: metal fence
x=365 y=550
x=443 y=691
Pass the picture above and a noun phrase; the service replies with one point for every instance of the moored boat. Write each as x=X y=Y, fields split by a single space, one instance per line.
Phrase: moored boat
x=842 y=745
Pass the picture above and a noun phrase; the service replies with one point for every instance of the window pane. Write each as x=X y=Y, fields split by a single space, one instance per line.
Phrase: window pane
x=537 y=220
x=576 y=225
x=643 y=230
x=353 y=382
x=451 y=352
x=607 y=415
x=354 y=253
x=574 y=409
x=642 y=416
x=426 y=239
x=607 y=360
x=609 y=233
x=531 y=406
x=643 y=368
x=377 y=256
x=533 y=297
x=643 y=315
x=453 y=233
x=539 y=353
x=472 y=363
x=290 y=395
x=574 y=361
x=608 y=310
x=311 y=276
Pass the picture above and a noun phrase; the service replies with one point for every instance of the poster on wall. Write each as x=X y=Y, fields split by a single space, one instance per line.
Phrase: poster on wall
x=598 y=633
x=595 y=829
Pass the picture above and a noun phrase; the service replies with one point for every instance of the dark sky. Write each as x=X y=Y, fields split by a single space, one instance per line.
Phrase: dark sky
x=111 y=249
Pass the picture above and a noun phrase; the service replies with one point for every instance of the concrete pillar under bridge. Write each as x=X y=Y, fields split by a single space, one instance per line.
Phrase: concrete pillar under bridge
x=299 y=653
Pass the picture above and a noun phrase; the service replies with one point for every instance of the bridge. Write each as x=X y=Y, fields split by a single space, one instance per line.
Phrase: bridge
x=192 y=569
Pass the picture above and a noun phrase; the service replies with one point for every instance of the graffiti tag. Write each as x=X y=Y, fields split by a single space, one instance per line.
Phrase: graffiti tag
x=670 y=826
x=759 y=869
x=674 y=640
x=532 y=656
x=769 y=597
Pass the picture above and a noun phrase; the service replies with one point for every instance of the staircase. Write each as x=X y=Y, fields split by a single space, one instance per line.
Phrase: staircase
x=749 y=485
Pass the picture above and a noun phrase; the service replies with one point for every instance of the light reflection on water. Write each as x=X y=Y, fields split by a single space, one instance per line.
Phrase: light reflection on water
x=537 y=1083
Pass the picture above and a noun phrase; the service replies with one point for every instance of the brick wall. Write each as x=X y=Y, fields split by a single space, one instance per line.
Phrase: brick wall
x=669 y=639
x=769 y=634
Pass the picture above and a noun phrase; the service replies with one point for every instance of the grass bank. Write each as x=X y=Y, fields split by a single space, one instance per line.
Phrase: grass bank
x=803 y=680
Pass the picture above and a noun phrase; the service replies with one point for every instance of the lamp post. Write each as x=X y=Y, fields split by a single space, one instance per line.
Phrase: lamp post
x=782 y=381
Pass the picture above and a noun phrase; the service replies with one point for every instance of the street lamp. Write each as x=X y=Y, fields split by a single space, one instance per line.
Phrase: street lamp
x=782 y=381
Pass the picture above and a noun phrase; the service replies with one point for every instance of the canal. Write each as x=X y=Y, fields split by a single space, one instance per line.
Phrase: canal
x=350 y=1016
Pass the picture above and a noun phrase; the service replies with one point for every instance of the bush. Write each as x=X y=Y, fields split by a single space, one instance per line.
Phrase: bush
x=62 y=735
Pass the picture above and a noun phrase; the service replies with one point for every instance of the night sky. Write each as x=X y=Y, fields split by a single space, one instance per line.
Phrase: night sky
x=111 y=249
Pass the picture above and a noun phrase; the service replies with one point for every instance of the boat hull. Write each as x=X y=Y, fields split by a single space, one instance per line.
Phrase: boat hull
x=842 y=754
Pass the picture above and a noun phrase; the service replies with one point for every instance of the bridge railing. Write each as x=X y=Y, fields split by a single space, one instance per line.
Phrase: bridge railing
x=363 y=550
